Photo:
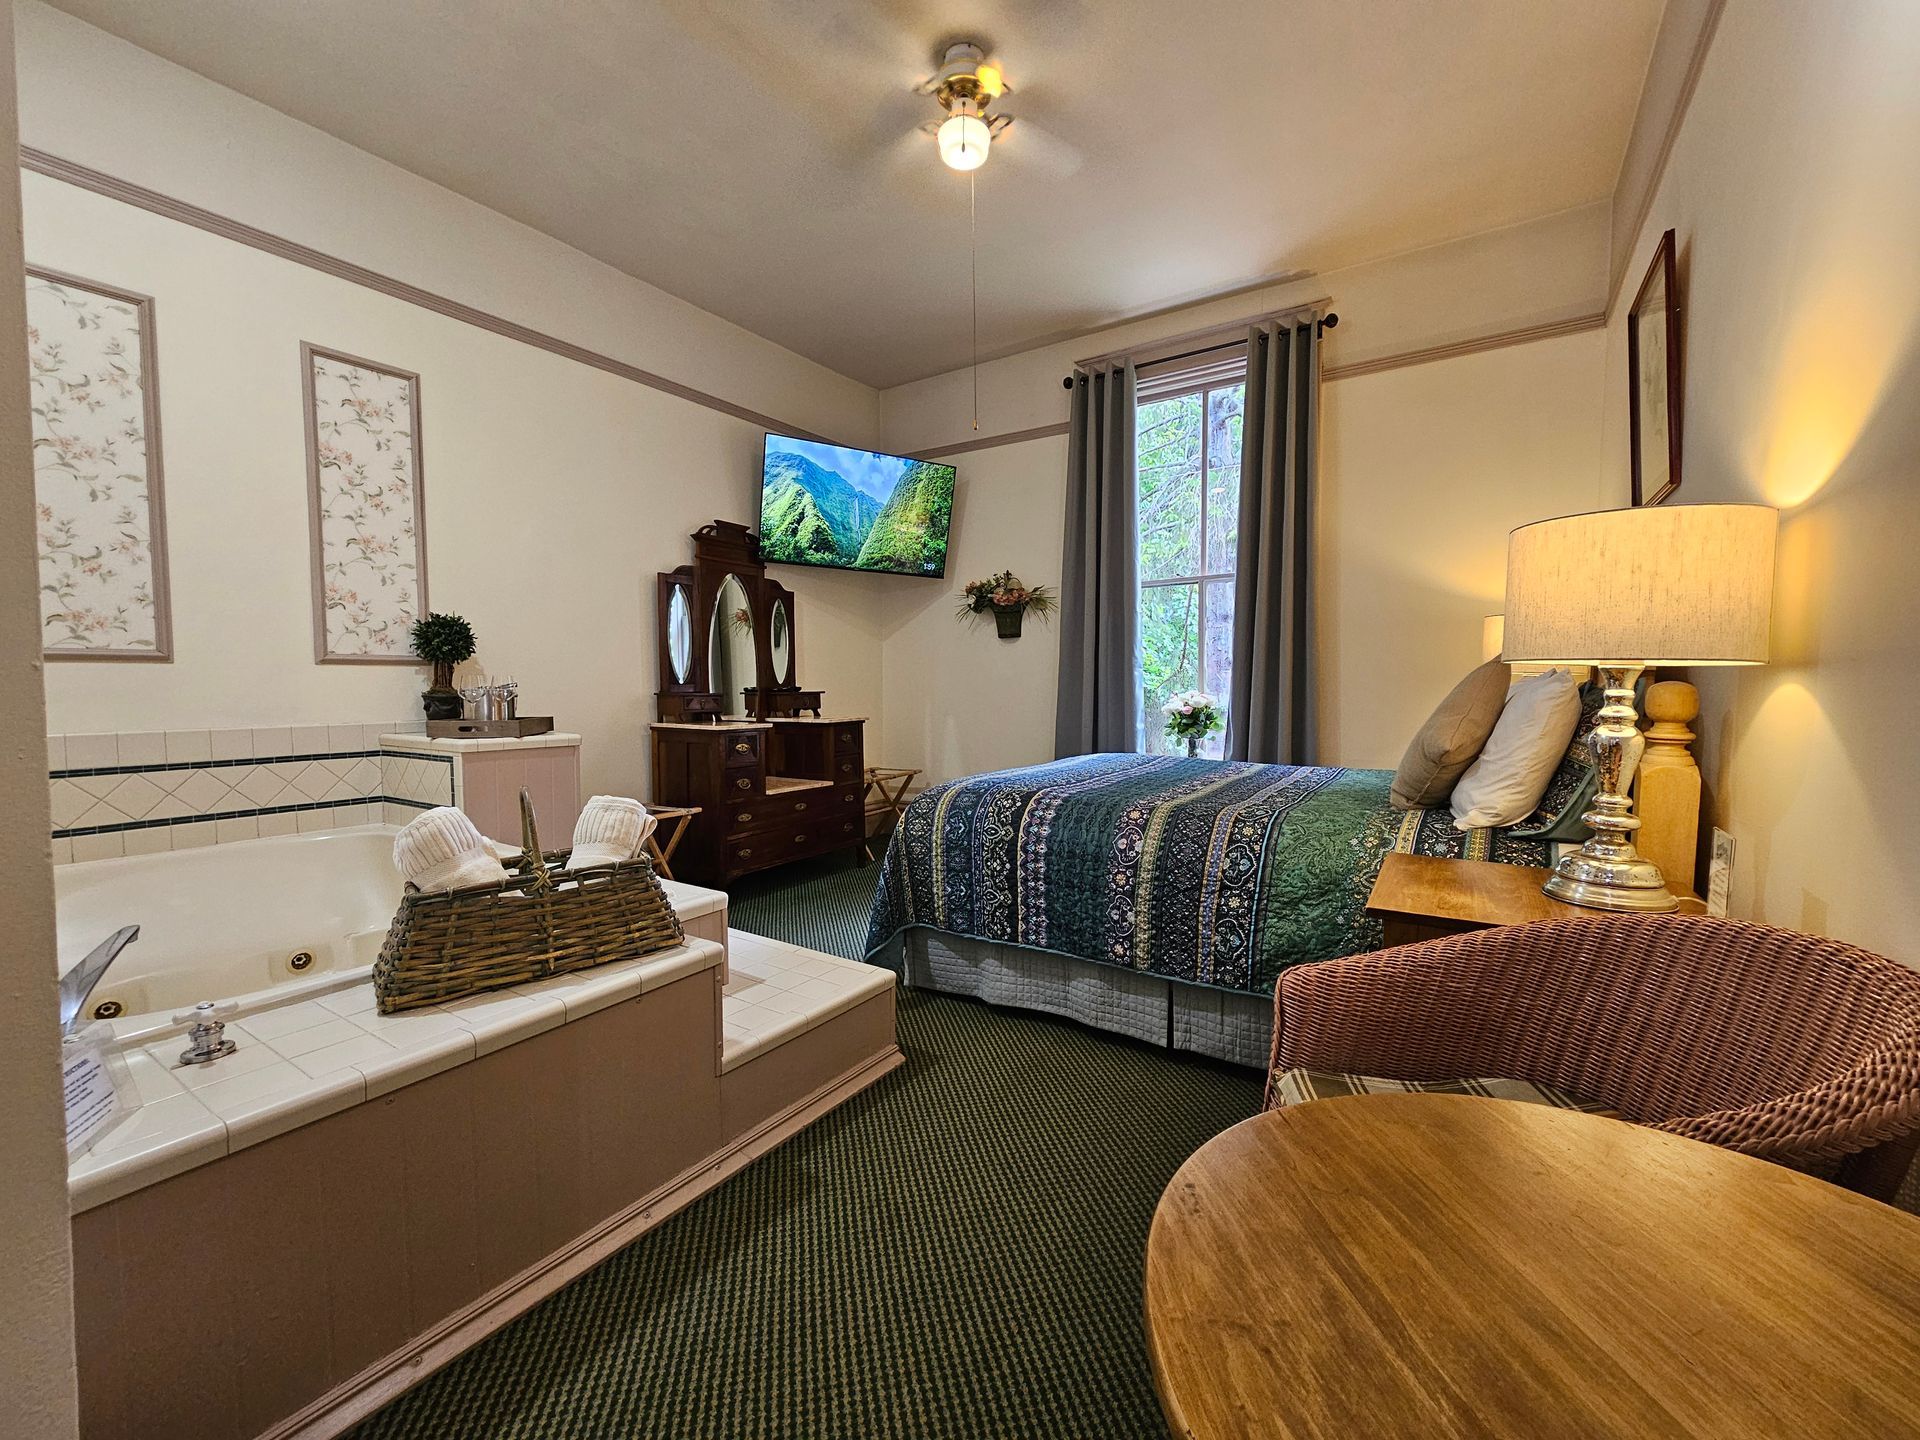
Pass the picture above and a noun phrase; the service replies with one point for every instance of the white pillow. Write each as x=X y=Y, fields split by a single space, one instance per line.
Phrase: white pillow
x=1535 y=727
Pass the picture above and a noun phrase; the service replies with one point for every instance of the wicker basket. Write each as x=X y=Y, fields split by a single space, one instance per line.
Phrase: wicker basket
x=543 y=921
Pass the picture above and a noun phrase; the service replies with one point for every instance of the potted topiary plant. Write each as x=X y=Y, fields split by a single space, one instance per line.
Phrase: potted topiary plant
x=443 y=641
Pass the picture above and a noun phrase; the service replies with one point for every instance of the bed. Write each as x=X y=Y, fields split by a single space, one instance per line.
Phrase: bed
x=1158 y=896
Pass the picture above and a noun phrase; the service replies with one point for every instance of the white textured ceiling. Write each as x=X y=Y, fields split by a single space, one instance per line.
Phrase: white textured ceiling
x=760 y=159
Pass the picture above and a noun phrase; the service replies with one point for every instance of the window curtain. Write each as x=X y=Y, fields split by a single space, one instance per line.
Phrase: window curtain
x=1099 y=701
x=1270 y=713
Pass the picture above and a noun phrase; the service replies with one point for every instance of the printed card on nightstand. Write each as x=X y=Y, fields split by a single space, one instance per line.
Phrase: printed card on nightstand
x=1720 y=873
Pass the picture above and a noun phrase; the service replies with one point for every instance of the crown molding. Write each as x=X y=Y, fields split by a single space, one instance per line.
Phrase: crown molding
x=1673 y=73
x=41 y=162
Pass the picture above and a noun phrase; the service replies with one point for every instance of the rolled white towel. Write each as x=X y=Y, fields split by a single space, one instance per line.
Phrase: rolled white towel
x=611 y=828
x=441 y=850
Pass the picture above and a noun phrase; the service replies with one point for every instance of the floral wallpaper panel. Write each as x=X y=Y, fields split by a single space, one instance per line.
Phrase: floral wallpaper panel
x=103 y=592
x=364 y=469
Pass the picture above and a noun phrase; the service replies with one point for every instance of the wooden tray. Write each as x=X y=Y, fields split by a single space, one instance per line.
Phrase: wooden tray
x=490 y=729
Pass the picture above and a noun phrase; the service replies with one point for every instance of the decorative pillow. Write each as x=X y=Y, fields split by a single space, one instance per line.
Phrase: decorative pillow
x=1451 y=738
x=1569 y=792
x=1528 y=741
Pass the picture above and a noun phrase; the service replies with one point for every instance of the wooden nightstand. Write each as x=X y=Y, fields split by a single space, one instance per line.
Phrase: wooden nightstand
x=1421 y=897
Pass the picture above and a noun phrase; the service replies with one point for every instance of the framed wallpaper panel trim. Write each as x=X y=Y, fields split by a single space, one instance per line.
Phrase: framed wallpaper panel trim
x=366 y=505
x=101 y=532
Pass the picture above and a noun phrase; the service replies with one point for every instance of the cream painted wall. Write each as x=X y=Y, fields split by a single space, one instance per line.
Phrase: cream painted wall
x=37 y=1385
x=958 y=698
x=1424 y=469
x=554 y=491
x=1796 y=197
x=1539 y=273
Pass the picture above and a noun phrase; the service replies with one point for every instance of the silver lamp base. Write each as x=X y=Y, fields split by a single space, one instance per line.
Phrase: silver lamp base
x=1607 y=873
x=1634 y=885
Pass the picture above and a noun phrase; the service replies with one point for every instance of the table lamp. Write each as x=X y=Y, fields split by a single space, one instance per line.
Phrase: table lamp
x=1623 y=590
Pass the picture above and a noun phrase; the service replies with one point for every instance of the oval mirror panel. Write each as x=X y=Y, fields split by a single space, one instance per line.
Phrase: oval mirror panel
x=679 y=634
x=782 y=644
x=730 y=655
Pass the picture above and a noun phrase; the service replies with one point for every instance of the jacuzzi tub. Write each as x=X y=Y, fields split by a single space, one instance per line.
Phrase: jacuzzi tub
x=261 y=922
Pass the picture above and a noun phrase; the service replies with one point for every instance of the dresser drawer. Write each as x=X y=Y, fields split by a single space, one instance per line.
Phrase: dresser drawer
x=806 y=807
x=741 y=747
x=778 y=844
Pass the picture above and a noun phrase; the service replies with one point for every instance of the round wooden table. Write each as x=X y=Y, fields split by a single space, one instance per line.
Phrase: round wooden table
x=1436 y=1265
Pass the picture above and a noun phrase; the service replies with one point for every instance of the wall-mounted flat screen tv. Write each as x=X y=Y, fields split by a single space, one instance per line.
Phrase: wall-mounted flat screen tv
x=853 y=509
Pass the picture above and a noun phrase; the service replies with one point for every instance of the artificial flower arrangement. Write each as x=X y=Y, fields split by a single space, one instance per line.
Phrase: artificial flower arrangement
x=1009 y=598
x=1192 y=715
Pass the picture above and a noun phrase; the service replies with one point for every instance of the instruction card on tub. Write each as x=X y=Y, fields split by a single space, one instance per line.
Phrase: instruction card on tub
x=92 y=1100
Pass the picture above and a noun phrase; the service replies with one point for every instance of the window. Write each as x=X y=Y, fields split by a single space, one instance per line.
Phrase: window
x=1188 y=453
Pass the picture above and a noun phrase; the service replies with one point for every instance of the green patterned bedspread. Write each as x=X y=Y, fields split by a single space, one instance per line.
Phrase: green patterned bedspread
x=1213 y=872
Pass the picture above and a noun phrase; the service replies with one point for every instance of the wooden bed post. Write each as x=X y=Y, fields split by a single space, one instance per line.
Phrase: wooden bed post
x=1667 y=789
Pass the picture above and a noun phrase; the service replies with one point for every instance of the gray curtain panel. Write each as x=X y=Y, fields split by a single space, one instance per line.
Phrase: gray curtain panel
x=1270 y=714
x=1099 y=705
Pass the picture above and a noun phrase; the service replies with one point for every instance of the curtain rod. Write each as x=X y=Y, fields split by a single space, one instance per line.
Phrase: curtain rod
x=1326 y=321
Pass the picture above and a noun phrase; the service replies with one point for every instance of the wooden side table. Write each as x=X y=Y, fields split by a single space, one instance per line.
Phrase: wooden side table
x=886 y=795
x=1422 y=897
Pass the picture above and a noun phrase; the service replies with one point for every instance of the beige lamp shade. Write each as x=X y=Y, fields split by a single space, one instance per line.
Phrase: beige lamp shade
x=1491 y=641
x=1654 y=585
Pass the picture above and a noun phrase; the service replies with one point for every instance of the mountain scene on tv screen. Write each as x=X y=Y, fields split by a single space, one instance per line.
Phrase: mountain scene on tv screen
x=822 y=505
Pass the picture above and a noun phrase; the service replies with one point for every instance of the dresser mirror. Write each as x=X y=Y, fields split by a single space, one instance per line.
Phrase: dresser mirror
x=679 y=635
x=781 y=642
x=728 y=635
x=732 y=657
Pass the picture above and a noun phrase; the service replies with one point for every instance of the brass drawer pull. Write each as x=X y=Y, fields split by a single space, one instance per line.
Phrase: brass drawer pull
x=799 y=839
x=745 y=817
x=745 y=852
x=743 y=783
x=799 y=805
x=848 y=826
x=846 y=765
x=741 y=747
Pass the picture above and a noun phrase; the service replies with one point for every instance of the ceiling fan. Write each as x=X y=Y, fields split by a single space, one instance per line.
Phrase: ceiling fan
x=967 y=83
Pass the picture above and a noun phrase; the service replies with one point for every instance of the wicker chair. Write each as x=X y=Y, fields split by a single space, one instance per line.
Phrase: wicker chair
x=1796 y=1049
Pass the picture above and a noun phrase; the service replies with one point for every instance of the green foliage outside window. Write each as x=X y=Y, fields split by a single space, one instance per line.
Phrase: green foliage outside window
x=1188 y=461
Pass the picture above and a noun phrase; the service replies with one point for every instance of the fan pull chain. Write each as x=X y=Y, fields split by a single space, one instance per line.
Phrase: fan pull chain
x=973 y=255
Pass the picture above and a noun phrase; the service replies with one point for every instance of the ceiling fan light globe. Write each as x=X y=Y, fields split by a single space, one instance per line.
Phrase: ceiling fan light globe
x=963 y=142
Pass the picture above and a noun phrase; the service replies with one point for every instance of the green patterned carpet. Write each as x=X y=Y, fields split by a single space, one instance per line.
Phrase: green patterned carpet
x=956 y=1252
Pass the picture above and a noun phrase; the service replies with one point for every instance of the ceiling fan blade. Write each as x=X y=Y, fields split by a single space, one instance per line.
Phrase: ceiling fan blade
x=1030 y=143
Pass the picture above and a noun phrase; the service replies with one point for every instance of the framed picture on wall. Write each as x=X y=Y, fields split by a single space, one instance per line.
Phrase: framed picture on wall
x=101 y=525
x=1653 y=375
x=366 y=507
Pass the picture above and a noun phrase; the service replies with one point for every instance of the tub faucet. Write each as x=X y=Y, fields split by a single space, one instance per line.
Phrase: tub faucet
x=207 y=1038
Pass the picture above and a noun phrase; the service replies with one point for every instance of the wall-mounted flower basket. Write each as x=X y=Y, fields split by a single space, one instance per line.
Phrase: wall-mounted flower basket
x=1008 y=598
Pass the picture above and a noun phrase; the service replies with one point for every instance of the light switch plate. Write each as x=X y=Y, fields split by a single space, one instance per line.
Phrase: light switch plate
x=1720 y=873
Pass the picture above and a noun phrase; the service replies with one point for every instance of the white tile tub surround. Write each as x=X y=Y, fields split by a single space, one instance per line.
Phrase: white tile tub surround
x=143 y=792
x=314 y=1058
x=775 y=991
